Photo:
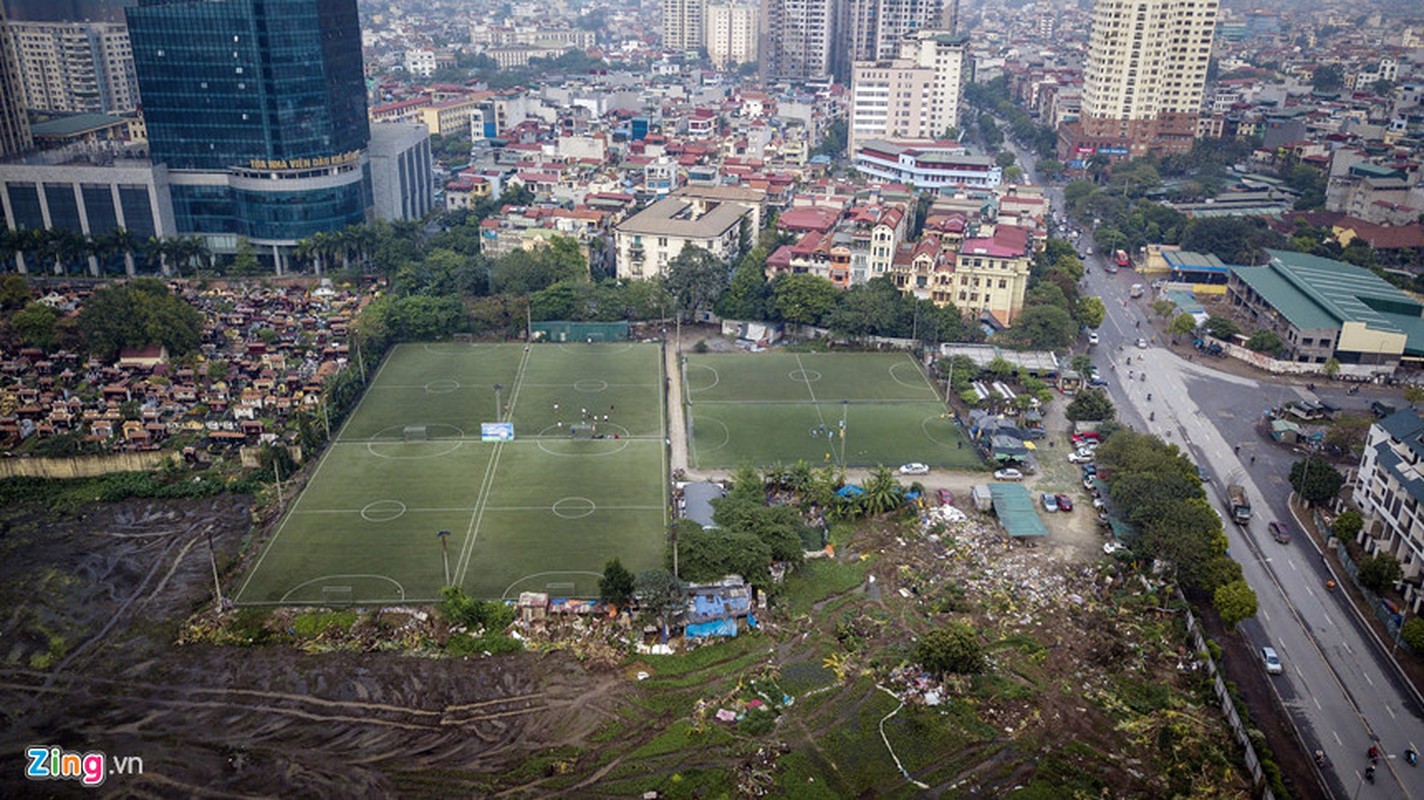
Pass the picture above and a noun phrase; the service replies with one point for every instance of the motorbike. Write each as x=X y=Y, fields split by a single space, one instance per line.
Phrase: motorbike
x=1354 y=390
x=1370 y=773
x=1152 y=416
x=1149 y=397
x=1329 y=585
x=1412 y=756
x=1320 y=758
x=1144 y=377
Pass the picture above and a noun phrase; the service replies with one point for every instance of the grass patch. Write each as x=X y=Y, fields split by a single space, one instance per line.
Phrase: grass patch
x=664 y=667
x=314 y=623
x=821 y=578
x=799 y=677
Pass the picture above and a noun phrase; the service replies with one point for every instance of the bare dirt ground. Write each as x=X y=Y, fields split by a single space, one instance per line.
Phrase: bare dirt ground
x=93 y=601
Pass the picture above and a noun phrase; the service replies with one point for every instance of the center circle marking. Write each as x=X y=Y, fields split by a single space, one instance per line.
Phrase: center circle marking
x=383 y=510
x=442 y=386
x=573 y=507
x=590 y=386
x=804 y=375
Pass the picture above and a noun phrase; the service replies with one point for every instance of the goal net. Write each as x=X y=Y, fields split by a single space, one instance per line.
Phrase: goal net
x=415 y=433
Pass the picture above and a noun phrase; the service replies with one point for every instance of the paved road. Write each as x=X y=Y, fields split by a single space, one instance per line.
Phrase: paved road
x=1338 y=687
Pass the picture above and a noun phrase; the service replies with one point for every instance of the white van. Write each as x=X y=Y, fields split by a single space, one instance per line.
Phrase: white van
x=1136 y=290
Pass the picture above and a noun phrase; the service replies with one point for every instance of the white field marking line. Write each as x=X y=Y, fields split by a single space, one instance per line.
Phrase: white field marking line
x=293 y=510
x=375 y=377
x=467 y=550
x=524 y=578
x=934 y=392
x=599 y=507
x=358 y=511
x=665 y=394
x=303 y=584
x=814 y=401
x=590 y=380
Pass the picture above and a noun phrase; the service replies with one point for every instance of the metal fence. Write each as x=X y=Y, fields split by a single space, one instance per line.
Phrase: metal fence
x=1228 y=707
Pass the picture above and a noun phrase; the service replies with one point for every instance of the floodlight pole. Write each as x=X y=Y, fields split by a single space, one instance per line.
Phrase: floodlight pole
x=443 y=536
x=498 y=387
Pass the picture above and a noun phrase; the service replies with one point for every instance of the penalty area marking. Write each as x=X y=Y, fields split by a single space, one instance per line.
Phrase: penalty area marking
x=383 y=510
x=304 y=584
x=716 y=378
x=925 y=426
x=726 y=433
x=534 y=575
x=582 y=507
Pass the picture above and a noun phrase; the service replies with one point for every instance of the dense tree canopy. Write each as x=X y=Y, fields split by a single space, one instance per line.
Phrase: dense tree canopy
x=141 y=313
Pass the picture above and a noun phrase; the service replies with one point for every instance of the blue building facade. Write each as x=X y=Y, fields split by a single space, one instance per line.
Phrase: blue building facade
x=258 y=109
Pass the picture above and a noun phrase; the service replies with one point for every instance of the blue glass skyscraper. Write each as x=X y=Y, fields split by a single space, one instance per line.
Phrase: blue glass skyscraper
x=258 y=109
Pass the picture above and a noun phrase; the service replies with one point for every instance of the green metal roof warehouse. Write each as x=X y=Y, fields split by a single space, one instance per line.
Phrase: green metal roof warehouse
x=1014 y=505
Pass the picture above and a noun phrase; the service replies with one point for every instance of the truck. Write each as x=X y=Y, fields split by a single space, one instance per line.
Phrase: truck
x=1240 y=506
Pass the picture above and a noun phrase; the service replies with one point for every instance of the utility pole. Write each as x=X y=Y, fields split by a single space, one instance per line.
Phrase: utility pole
x=277 y=473
x=445 y=552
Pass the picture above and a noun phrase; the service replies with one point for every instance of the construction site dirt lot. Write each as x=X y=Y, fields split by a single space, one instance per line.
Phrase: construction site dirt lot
x=1088 y=688
x=94 y=600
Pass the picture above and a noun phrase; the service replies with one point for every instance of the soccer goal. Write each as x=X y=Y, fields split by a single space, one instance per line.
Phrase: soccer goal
x=416 y=433
x=581 y=430
x=336 y=595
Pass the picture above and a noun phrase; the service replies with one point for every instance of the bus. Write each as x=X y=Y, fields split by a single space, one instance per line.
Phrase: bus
x=1121 y=259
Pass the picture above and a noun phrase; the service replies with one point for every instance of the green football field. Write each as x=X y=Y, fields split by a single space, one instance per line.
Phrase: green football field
x=765 y=408
x=543 y=512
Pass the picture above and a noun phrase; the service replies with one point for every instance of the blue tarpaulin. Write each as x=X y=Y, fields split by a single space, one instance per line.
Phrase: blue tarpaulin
x=706 y=605
x=850 y=490
x=721 y=627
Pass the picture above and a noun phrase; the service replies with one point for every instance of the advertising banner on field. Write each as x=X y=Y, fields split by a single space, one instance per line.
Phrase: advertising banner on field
x=496 y=431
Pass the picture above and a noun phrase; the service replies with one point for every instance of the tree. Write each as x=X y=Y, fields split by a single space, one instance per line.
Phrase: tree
x=616 y=585
x=1331 y=367
x=1221 y=328
x=882 y=491
x=1315 y=480
x=1013 y=174
x=1005 y=159
x=139 y=314
x=1182 y=324
x=696 y=278
x=1380 y=571
x=1090 y=312
x=1235 y=602
x=659 y=593
x=1046 y=328
x=746 y=299
x=1347 y=432
x=34 y=325
x=1081 y=364
x=1328 y=78
x=1348 y=524
x=1267 y=342
x=1412 y=632
x=1414 y=394
x=803 y=299
x=1091 y=405
x=14 y=292
x=1050 y=168
x=951 y=649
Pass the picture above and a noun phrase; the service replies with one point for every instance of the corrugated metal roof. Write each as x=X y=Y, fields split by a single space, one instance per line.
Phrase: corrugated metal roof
x=1014 y=506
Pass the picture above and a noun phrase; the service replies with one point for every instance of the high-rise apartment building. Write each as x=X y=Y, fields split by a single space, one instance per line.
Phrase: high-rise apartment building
x=800 y=39
x=258 y=110
x=14 y=123
x=917 y=96
x=682 y=24
x=1143 y=78
x=731 y=33
x=76 y=67
x=872 y=30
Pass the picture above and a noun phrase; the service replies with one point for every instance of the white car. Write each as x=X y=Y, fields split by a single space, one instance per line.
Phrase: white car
x=1008 y=474
x=1273 y=661
x=1080 y=457
x=1142 y=344
x=1050 y=503
x=1093 y=337
x=914 y=468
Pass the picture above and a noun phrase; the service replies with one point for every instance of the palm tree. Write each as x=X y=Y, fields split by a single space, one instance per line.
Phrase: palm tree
x=882 y=491
x=306 y=251
x=155 y=254
x=126 y=243
x=12 y=243
x=104 y=249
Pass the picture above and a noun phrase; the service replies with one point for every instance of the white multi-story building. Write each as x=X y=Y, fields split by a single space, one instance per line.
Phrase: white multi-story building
x=914 y=97
x=709 y=217
x=927 y=167
x=76 y=67
x=420 y=62
x=1389 y=492
x=730 y=33
x=14 y=122
x=1144 y=76
x=682 y=24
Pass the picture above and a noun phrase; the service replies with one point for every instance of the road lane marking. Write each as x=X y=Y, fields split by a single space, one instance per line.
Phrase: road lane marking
x=1336 y=735
x=1392 y=714
x=1366 y=676
x=1346 y=645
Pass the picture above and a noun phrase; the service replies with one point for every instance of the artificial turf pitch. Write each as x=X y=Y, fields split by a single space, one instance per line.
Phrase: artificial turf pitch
x=544 y=512
x=767 y=408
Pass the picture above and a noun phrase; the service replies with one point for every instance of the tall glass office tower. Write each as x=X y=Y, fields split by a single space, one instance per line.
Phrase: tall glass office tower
x=258 y=108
